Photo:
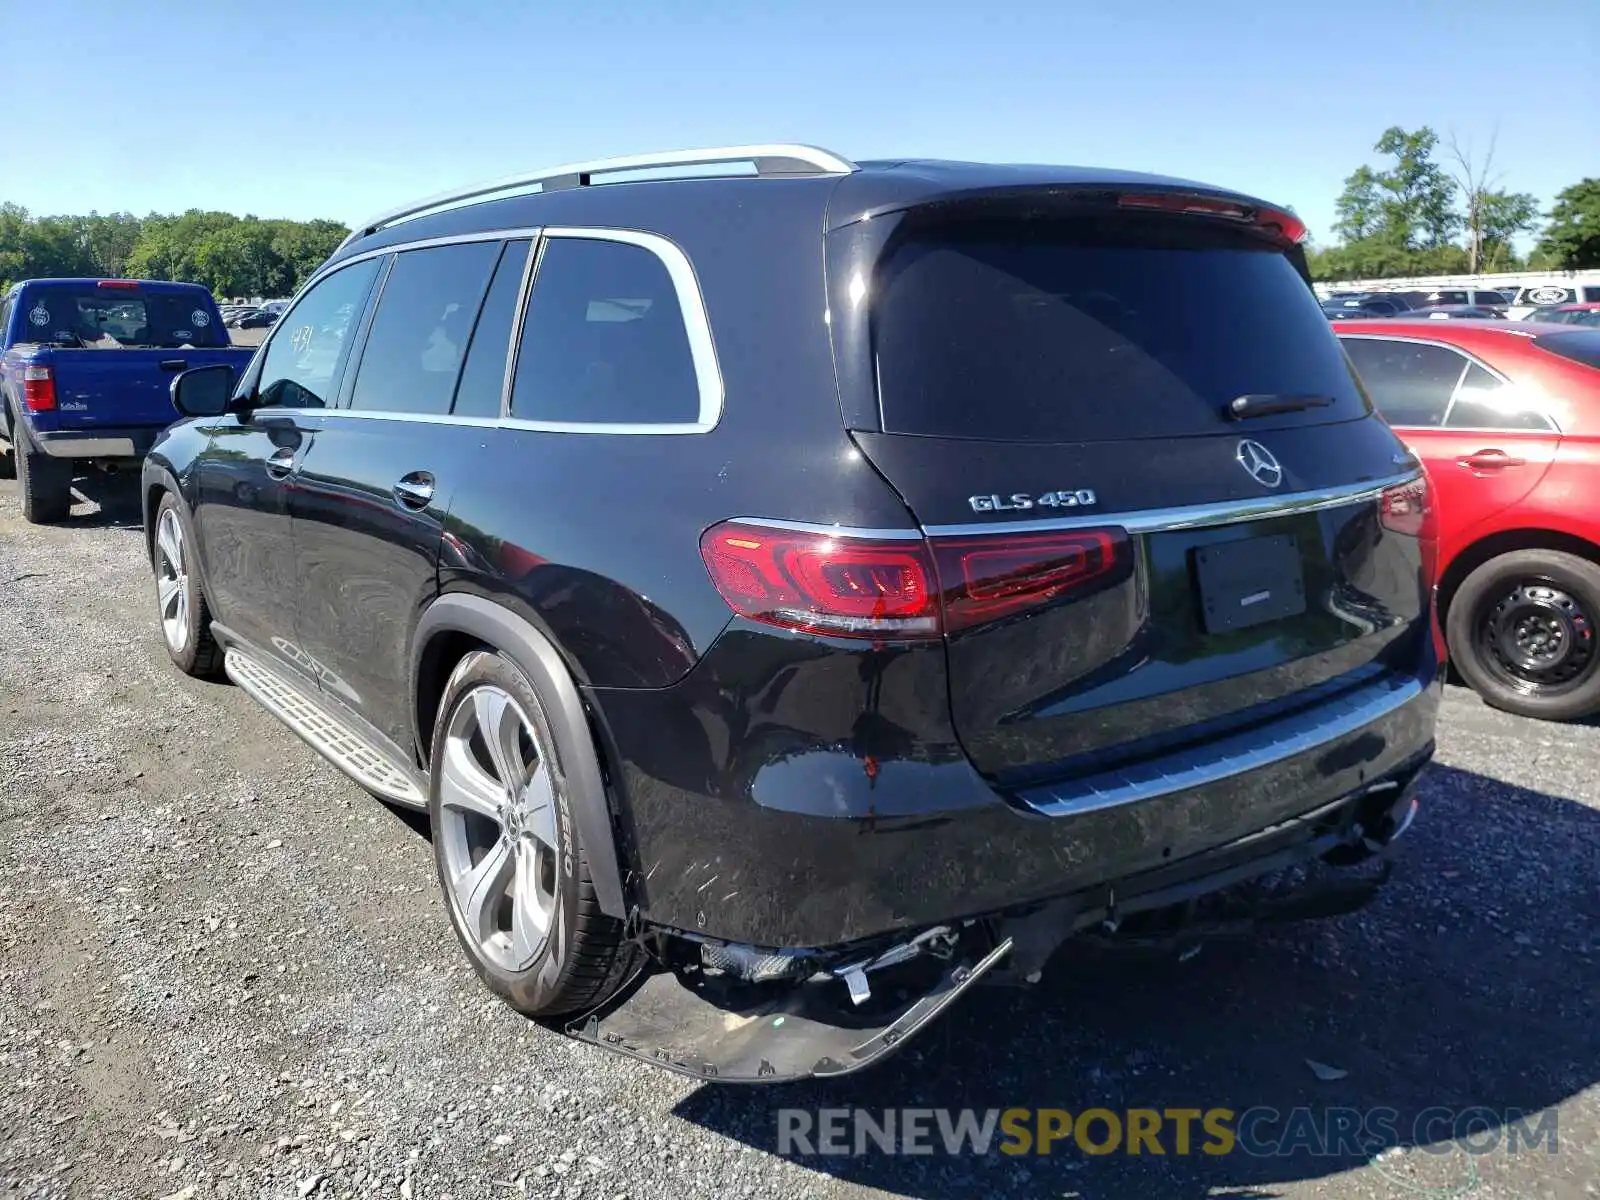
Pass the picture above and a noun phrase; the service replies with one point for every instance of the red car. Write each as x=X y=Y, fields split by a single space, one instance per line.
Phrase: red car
x=1505 y=416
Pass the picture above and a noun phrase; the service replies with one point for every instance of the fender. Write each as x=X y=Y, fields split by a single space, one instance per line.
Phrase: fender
x=541 y=662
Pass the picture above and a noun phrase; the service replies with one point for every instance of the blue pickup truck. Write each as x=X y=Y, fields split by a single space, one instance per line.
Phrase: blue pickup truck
x=85 y=371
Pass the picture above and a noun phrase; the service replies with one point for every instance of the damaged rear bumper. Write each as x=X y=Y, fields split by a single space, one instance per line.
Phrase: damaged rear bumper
x=846 y=1009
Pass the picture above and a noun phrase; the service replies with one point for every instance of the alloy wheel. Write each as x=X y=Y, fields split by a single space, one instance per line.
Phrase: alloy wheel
x=497 y=811
x=172 y=580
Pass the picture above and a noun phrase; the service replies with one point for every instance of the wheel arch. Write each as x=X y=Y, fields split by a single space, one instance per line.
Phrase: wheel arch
x=456 y=624
x=1491 y=546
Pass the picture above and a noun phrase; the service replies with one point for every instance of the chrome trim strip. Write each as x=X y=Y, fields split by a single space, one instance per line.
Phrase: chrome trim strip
x=1192 y=516
x=845 y=531
x=779 y=154
x=1225 y=757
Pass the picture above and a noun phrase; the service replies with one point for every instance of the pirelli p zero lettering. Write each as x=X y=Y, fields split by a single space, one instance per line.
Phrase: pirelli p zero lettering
x=1019 y=501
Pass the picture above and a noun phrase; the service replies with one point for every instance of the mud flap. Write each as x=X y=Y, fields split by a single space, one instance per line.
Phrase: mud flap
x=765 y=1033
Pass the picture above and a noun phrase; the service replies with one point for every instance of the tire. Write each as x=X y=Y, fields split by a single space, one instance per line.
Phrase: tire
x=180 y=600
x=45 y=483
x=1524 y=633
x=511 y=862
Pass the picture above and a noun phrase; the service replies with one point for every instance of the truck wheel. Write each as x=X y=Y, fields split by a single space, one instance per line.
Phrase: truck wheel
x=45 y=483
x=511 y=863
x=1522 y=631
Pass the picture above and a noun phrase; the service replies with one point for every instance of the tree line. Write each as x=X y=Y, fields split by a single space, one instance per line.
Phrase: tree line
x=231 y=255
x=1437 y=209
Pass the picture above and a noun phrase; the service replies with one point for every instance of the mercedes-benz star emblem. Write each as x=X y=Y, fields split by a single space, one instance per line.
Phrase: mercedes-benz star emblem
x=1259 y=462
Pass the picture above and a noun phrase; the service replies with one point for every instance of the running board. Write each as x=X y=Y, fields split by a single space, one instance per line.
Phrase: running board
x=735 y=1032
x=327 y=735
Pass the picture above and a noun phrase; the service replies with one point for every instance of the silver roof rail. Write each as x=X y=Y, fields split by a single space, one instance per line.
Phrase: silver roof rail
x=778 y=158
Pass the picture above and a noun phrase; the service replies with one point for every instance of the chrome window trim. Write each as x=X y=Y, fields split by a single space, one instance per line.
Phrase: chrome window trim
x=696 y=324
x=685 y=284
x=1193 y=516
x=1553 y=426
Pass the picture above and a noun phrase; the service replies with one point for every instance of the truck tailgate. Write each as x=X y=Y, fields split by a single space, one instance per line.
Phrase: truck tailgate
x=121 y=388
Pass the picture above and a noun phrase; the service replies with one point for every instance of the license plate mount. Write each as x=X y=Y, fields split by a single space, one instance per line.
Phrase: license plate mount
x=1249 y=582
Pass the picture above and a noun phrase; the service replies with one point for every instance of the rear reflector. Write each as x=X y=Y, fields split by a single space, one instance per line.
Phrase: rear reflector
x=898 y=589
x=38 y=389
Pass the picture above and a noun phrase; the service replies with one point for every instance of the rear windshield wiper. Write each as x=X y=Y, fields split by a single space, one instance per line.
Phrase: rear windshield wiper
x=1267 y=404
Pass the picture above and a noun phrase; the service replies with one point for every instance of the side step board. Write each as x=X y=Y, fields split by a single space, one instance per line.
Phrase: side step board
x=326 y=734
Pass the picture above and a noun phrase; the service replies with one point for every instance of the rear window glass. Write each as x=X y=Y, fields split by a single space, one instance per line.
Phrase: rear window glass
x=1581 y=346
x=94 y=318
x=1068 y=331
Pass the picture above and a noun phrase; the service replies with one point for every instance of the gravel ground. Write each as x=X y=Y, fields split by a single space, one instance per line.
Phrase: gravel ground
x=224 y=971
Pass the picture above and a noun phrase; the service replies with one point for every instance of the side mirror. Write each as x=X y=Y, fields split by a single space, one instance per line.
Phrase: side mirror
x=203 y=391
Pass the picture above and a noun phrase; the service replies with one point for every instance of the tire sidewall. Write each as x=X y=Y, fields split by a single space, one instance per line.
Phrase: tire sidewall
x=1495 y=578
x=185 y=657
x=538 y=988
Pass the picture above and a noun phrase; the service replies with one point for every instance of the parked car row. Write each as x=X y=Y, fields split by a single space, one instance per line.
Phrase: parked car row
x=788 y=619
x=1533 y=302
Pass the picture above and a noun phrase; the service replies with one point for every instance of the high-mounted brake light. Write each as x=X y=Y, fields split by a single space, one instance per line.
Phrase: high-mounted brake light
x=118 y=283
x=38 y=389
x=1285 y=224
x=899 y=589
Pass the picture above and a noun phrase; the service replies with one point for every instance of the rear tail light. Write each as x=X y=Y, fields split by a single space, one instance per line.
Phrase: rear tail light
x=1285 y=224
x=901 y=588
x=38 y=389
x=1408 y=509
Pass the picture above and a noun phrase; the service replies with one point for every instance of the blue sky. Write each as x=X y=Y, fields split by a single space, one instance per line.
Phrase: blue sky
x=339 y=109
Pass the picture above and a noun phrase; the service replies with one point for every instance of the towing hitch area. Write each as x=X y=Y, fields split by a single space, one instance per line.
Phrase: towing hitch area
x=715 y=1024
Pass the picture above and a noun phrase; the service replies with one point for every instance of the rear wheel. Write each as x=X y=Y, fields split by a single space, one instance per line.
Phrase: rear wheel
x=1522 y=632
x=44 y=482
x=511 y=862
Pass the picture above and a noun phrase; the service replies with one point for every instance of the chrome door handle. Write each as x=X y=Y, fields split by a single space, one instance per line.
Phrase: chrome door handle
x=281 y=463
x=414 y=490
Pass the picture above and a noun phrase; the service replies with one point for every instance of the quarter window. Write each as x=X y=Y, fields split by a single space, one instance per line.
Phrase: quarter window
x=419 y=333
x=309 y=345
x=1410 y=382
x=604 y=339
x=484 y=376
x=1485 y=402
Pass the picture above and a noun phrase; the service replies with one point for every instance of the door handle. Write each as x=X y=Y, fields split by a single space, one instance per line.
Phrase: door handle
x=414 y=491
x=1490 y=460
x=281 y=463
x=173 y=364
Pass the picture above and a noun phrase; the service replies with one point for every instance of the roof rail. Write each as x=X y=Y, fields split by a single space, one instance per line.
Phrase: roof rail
x=778 y=158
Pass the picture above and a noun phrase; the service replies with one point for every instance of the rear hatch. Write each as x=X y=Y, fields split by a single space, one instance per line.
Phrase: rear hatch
x=1131 y=559
x=116 y=345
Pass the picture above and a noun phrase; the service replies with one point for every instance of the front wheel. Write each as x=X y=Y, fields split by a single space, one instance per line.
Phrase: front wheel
x=180 y=601
x=510 y=860
x=1522 y=632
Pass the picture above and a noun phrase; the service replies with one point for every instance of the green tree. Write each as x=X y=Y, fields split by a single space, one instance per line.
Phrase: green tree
x=1571 y=240
x=1358 y=206
x=1491 y=216
x=1418 y=197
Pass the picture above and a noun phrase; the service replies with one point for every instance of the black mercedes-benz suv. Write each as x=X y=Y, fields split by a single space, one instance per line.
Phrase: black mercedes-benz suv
x=798 y=588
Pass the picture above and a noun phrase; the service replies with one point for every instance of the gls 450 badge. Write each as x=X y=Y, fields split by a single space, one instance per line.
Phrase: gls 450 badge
x=1018 y=501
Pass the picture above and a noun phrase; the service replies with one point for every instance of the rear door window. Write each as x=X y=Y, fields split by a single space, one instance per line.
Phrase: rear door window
x=484 y=376
x=420 y=328
x=1484 y=401
x=1088 y=331
x=1410 y=382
